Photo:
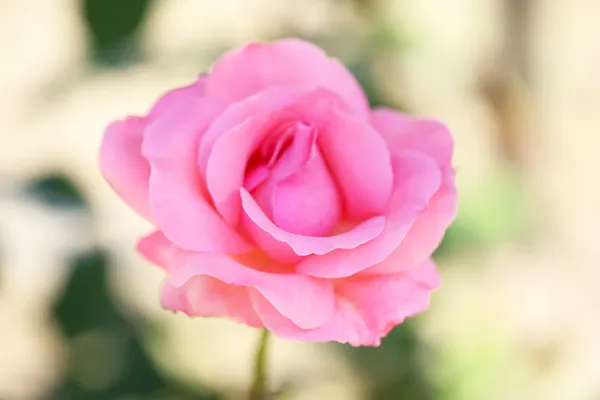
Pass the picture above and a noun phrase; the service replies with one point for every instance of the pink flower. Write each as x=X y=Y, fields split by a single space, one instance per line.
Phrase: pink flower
x=281 y=200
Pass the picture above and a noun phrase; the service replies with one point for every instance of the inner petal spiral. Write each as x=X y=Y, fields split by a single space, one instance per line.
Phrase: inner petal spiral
x=290 y=181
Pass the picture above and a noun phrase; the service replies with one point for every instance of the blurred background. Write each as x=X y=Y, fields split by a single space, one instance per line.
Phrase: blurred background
x=518 y=316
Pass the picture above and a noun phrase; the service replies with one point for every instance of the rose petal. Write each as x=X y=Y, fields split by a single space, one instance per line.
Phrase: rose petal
x=366 y=308
x=310 y=187
x=121 y=160
x=278 y=251
x=178 y=96
x=173 y=298
x=156 y=248
x=403 y=132
x=417 y=179
x=209 y=297
x=308 y=302
x=123 y=166
x=227 y=145
x=297 y=155
x=256 y=176
x=295 y=296
x=426 y=233
x=226 y=166
x=432 y=138
x=262 y=104
x=232 y=138
x=256 y=67
x=359 y=161
x=178 y=203
x=307 y=202
x=344 y=326
x=306 y=245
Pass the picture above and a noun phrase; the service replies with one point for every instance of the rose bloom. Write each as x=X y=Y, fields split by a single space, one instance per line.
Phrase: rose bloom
x=281 y=200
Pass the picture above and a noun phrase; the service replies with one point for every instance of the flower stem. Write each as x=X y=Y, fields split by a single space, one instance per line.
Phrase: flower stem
x=260 y=385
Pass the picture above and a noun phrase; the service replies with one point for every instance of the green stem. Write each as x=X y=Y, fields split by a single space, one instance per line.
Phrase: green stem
x=260 y=385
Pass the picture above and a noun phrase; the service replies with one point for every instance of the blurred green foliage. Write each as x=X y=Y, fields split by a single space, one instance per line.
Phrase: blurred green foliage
x=107 y=357
x=56 y=191
x=113 y=25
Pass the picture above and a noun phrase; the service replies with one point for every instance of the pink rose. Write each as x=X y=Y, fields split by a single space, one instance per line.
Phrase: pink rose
x=281 y=200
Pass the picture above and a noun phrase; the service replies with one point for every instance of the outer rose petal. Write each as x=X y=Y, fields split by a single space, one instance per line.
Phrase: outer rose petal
x=403 y=132
x=306 y=301
x=156 y=248
x=121 y=161
x=432 y=138
x=209 y=297
x=175 y=97
x=176 y=197
x=256 y=67
x=366 y=307
x=123 y=166
x=427 y=232
x=418 y=178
